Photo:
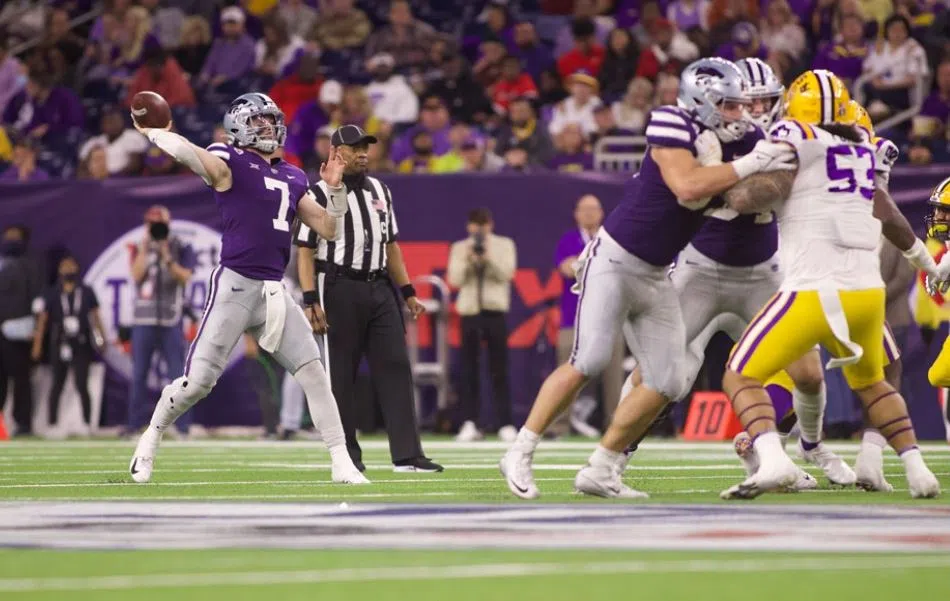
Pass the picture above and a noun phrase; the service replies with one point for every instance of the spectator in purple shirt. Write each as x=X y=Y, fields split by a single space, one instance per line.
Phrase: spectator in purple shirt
x=745 y=44
x=494 y=22
x=42 y=108
x=433 y=118
x=845 y=57
x=232 y=55
x=535 y=57
x=310 y=117
x=23 y=168
x=572 y=153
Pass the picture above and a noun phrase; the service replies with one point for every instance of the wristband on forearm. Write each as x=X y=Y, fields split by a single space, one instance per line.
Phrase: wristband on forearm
x=408 y=291
x=311 y=298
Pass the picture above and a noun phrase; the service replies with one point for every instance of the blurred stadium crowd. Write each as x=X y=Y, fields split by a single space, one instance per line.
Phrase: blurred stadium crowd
x=447 y=85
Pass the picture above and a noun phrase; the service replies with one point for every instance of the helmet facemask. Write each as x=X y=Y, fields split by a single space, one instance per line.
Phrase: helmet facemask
x=938 y=221
x=732 y=114
x=255 y=121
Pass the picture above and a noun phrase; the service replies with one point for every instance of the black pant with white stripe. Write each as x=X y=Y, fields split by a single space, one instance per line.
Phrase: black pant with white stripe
x=365 y=319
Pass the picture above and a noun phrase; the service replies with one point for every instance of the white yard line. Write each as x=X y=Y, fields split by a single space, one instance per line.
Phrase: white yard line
x=482 y=571
x=430 y=445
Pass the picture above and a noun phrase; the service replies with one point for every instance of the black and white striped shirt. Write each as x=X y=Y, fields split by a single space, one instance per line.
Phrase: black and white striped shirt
x=369 y=224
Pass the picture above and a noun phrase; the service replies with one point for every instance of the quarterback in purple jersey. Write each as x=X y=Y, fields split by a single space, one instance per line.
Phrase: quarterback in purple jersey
x=623 y=270
x=258 y=195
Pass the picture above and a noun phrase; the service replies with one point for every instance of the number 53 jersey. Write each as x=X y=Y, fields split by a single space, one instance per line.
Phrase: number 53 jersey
x=257 y=212
x=828 y=236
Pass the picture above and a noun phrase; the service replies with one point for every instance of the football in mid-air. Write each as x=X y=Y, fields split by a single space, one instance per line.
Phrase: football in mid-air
x=150 y=110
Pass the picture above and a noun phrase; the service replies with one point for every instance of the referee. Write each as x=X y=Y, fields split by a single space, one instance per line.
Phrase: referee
x=354 y=306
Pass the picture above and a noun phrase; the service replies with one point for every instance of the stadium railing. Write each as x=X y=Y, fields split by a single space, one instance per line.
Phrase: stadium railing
x=434 y=373
x=917 y=95
x=619 y=153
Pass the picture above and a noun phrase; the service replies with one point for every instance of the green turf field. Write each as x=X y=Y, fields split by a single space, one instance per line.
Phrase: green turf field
x=299 y=471
x=274 y=503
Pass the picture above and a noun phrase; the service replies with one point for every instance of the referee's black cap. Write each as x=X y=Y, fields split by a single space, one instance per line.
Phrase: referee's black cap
x=351 y=135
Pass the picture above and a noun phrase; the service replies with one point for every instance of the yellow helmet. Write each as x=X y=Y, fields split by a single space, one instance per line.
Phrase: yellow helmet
x=939 y=229
x=817 y=97
x=857 y=115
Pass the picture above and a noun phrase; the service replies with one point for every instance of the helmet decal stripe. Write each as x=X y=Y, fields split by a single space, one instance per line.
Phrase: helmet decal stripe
x=827 y=97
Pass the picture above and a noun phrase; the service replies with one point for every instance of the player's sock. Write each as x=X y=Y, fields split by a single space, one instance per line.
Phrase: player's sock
x=810 y=409
x=527 y=441
x=603 y=456
x=872 y=438
x=323 y=409
x=913 y=459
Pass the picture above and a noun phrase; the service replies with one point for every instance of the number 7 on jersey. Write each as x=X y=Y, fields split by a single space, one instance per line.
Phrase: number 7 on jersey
x=280 y=222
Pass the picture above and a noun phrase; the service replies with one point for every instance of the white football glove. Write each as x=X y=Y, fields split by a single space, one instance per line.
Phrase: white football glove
x=935 y=286
x=943 y=268
x=708 y=148
x=766 y=156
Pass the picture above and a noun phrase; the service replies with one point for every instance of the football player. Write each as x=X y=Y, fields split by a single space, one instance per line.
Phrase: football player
x=694 y=154
x=938 y=228
x=728 y=272
x=257 y=194
x=869 y=466
x=831 y=214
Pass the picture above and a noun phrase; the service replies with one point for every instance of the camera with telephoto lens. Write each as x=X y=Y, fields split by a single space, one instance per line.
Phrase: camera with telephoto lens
x=158 y=230
x=479 y=247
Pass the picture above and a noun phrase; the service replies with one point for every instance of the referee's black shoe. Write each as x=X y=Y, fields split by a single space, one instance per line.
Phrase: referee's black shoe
x=417 y=464
x=360 y=465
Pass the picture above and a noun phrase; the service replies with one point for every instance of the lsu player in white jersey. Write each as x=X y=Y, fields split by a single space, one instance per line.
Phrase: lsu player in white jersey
x=869 y=466
x=831 y=216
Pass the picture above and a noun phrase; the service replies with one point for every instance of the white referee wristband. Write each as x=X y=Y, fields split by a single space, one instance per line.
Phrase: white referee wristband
x=919 y=257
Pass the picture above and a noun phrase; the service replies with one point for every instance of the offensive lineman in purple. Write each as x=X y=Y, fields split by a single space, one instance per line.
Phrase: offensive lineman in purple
x=622 y=274
x=650 y=222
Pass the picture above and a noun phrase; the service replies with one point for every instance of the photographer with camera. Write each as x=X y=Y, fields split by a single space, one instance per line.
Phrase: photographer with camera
x=482 y=267
x=161 y=266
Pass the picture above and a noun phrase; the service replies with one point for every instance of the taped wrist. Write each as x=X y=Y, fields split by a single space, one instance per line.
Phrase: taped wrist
x=336 y=203
x=919 y=257
x=181 y=149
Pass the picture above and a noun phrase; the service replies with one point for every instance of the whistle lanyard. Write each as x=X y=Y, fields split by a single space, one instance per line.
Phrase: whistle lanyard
x=64 y=300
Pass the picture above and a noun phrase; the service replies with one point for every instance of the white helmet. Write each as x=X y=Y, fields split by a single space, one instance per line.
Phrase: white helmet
x=704 y=86
x=761 y=82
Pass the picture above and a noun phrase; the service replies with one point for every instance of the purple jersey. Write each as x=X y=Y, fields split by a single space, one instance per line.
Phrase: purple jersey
x=732 y=239
x=257 y=212
x=650 y=222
